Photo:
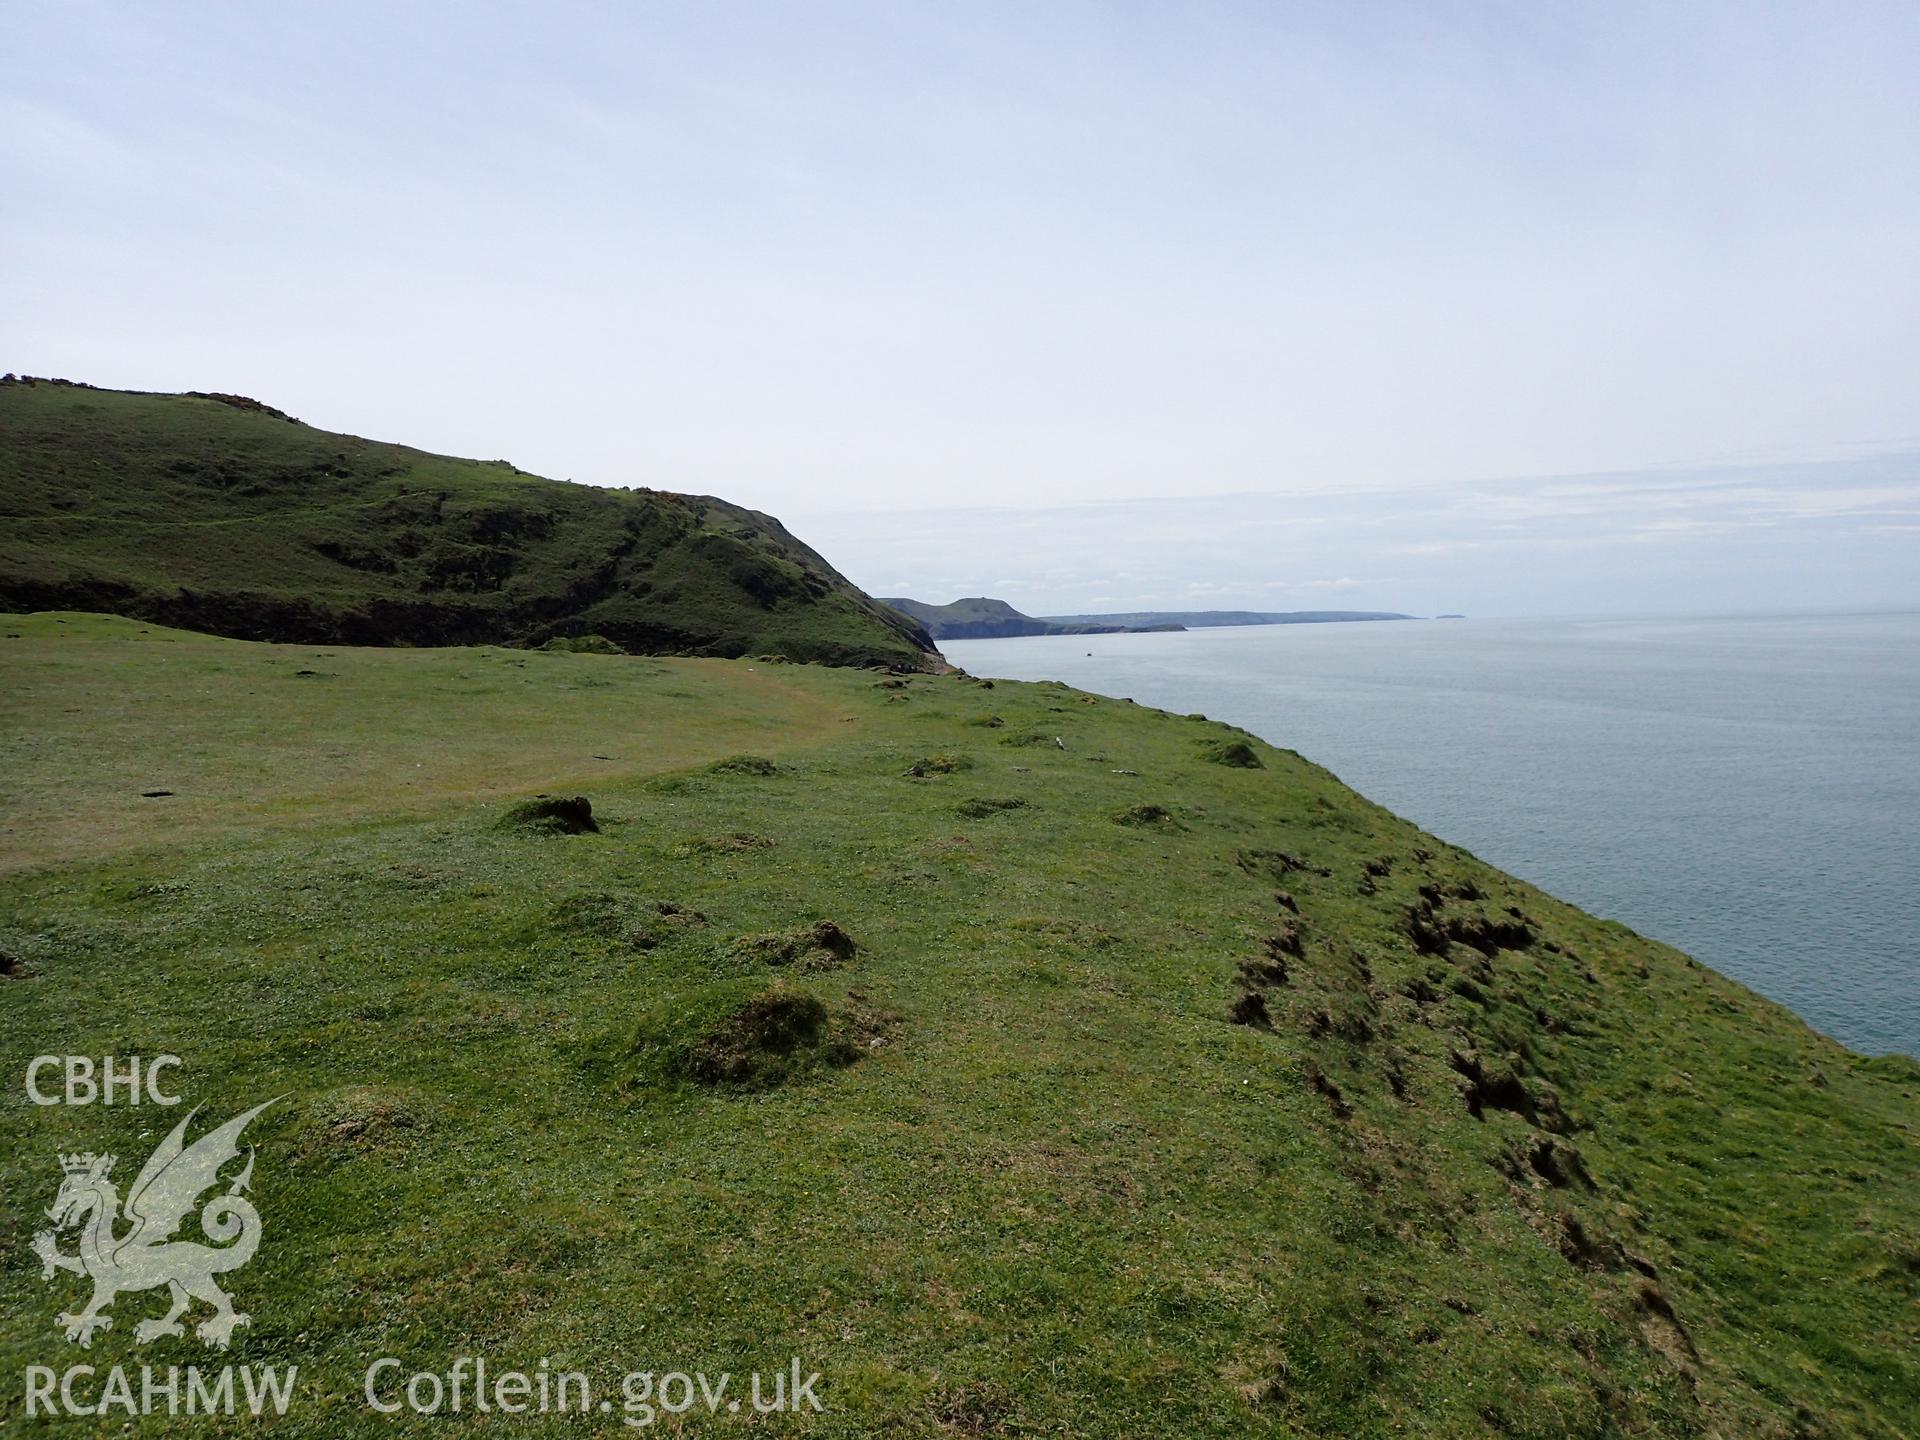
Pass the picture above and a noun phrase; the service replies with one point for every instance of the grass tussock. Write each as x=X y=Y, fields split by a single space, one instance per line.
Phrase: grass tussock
x=743 y=1036
x=744 y=765
x=1235 y=753
x=552 y=815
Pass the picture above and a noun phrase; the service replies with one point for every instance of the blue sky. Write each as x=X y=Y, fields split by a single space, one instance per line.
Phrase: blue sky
x=841 y=260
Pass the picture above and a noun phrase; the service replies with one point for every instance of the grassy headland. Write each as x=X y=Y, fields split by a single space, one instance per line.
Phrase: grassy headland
x=979 y=618
x=221 y=514
x=1027 y=1061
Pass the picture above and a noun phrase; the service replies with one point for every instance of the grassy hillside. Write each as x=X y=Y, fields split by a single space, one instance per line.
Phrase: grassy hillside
x=1026 y=1061
x=223 y=515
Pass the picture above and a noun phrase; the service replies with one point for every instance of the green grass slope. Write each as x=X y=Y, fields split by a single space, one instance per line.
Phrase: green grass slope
x=1026 y=1061
x=222 y=515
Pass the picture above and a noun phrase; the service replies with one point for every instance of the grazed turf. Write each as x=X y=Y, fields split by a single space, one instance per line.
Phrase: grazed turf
x=1004 y=1162
x=99 y=712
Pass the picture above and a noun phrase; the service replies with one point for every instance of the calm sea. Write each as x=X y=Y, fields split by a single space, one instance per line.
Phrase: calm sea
x=1745 y=789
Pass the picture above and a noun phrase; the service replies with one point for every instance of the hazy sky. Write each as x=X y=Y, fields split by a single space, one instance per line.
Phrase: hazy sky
x=838 y=258
x=1835 y=535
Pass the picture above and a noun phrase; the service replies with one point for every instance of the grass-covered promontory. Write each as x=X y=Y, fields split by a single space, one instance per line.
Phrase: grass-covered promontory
x=221 y=514
x=1026 y=1061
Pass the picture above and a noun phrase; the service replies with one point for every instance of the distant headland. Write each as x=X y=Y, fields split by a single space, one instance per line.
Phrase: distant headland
x=980 y=618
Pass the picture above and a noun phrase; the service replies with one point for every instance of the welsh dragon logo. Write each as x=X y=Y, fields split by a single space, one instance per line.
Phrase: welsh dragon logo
x=145 y=1256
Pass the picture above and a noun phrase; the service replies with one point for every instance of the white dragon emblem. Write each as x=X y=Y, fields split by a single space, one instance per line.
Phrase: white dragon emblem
x=147 y=1256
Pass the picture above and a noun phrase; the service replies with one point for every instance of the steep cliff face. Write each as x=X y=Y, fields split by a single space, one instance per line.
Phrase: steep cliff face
x=222 y=514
